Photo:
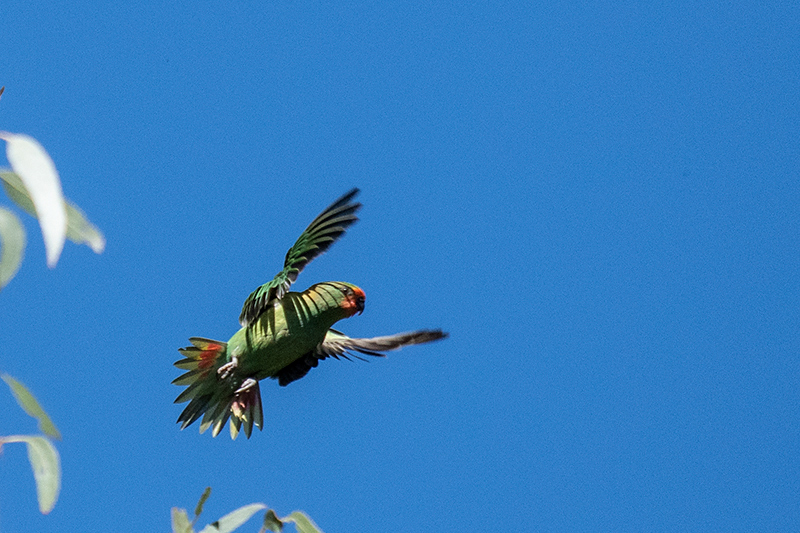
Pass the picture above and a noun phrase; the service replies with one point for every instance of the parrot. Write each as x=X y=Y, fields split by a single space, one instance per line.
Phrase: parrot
x=283 y=335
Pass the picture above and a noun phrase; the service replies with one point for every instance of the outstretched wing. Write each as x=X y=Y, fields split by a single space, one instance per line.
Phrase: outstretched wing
x=337 y=344
x=318 y=237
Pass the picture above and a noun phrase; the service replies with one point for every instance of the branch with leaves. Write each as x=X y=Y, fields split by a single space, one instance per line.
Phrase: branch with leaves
x=33 y=184
x=42 y=454
x=235 y=519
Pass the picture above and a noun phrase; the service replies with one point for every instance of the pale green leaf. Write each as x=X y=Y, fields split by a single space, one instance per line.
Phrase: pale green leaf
x=203 y=498
x=16 y=190
x=46 y=467
x=29 y=404
x=234 y=519
x=12 y=245
x=272 y=522
x=180 y=522
x=302 y=522
x=79 y=229
x=31 y=162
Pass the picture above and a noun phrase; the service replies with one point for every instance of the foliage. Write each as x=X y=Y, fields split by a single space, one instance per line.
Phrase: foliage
x=12 y=238
x=33 y=184
x=79 y=229
x=42 y=454
x=234 y=519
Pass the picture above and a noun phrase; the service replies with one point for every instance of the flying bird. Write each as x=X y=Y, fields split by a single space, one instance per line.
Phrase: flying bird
x=283 y=335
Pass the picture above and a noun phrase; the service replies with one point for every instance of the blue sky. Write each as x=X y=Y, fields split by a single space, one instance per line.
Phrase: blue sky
x=598 y=202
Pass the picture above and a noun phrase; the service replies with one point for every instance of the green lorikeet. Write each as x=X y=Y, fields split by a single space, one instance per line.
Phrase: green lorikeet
x=284 y=335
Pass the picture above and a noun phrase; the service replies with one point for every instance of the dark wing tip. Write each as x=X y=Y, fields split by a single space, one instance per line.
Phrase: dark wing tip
x=343 y=201
x=323 y=231
x=430 y=335
x=345 y=198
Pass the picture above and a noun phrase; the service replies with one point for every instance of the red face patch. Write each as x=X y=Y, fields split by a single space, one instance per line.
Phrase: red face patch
x=355 y=302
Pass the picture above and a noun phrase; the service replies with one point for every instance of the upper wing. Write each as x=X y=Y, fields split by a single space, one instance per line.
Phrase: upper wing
x=337 y=344
x=318 y=236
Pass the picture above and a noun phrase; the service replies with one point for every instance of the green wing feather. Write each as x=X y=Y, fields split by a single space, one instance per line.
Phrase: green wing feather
x=318 y=237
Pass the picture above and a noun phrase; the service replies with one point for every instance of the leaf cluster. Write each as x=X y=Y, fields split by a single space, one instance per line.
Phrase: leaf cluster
x=42 y=454
x=33 y=184
x=235 y=519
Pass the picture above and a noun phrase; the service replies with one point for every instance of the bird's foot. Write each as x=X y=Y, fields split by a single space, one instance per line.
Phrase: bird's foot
x=247 y=384
x=225 y=371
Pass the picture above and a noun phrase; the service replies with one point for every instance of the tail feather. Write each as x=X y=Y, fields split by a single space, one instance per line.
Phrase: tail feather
x=194 y=410
x=186 y=364
x=215 y=415
x=247 y=411
x=188 y=378
x=211 y=398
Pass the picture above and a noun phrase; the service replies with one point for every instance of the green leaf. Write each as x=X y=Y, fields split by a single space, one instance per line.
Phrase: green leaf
x=233 y=520
x=180 y=521
x=302 y=522
x=79 y=229
x=272 y=522
x=203 y=498
x=31 y=162
x=29 y=404
x=46 y=467
x=12 y=239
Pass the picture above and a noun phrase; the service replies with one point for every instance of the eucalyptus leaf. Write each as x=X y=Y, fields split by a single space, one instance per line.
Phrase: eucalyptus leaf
x=12 y=245
x=46 y=467
x=79 y=229
x=31 y=162
x=28 y=402
x=272 y=522
x=203 y=499
x=180 y=521
x=234 y=519
x=302 y=522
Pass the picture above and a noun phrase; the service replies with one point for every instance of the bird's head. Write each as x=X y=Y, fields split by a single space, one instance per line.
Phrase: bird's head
x=342 y=299
x=353 y=298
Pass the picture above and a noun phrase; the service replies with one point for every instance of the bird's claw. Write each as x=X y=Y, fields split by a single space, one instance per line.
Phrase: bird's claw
x=225 y=371
x=247 y=384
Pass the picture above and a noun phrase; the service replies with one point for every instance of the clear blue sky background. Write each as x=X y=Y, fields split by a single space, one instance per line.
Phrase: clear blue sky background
x=600 y=202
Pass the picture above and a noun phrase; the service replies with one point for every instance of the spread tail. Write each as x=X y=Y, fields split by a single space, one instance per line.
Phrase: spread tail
x=213 y=397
